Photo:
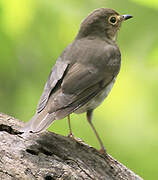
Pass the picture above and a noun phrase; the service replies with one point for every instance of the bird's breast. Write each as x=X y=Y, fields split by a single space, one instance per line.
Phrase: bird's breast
x=97 y=100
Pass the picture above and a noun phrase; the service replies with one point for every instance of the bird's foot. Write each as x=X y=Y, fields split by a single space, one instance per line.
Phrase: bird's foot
x=103 y=151
x=71 y=135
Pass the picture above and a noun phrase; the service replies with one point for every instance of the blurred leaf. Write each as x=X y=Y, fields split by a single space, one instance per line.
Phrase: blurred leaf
x=17 y=15
x=151 y=3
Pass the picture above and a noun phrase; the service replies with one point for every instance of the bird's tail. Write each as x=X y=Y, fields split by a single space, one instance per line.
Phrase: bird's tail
x=40 y=122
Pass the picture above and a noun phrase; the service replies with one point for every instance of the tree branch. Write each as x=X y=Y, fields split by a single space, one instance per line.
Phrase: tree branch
x=50 y=156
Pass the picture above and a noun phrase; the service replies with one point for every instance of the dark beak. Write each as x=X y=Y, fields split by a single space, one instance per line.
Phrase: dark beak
x=127 y=16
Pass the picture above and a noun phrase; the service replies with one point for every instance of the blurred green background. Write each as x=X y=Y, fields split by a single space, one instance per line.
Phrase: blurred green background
x=33 y=33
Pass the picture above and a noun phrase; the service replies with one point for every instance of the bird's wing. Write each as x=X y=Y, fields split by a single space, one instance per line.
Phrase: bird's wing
x=80 y=77
x=55 y=76
x=82 y=83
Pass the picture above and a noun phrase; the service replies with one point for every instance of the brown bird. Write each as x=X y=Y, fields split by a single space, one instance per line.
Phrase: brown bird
x=84 y=73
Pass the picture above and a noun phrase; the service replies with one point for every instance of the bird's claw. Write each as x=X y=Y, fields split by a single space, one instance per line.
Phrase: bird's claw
x=71 y=135
x=103 y=151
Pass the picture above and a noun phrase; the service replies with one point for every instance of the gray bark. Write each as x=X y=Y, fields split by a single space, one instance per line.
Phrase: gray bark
x=48 y=156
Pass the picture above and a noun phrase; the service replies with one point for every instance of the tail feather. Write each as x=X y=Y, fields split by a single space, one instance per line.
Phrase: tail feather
x=40 y=122
x=44 y=123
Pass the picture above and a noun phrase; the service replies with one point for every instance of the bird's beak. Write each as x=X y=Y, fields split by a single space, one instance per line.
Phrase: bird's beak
x=127 y=16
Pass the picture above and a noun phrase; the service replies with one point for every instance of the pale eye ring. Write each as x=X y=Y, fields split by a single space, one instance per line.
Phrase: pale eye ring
x=112 y=20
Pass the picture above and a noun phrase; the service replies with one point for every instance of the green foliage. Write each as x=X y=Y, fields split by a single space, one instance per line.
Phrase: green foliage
x=151 y=3
x=33 y=33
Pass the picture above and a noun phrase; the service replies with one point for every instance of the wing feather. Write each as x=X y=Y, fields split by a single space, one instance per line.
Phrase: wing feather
x=55 y=76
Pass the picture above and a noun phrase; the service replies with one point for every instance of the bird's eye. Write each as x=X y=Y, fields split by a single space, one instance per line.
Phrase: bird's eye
x=112 y=20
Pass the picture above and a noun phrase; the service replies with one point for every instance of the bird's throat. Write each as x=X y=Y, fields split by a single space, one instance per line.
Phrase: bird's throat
x=113 y=37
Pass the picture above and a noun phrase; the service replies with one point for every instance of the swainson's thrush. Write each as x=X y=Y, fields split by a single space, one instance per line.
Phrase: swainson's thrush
x=84 y=73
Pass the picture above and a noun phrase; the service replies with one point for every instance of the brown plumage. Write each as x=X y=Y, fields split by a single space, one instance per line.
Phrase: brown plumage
x=84 y=73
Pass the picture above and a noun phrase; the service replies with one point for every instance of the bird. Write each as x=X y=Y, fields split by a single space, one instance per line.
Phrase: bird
x=84 y=73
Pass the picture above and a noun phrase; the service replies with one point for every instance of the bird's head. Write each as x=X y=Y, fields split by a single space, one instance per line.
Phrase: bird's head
x=102 y=22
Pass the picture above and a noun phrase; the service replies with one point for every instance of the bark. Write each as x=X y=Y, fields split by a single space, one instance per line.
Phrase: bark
x=48 y=156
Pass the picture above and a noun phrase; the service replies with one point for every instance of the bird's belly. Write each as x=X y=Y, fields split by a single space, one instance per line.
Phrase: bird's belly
x=97 y=100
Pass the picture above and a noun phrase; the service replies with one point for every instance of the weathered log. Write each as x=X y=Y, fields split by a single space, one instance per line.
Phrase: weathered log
x=50 y=156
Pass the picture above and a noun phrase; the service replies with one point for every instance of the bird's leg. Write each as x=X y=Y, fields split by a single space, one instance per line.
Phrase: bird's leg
x=89 y=118
x=71 y=135
x=70 y=129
